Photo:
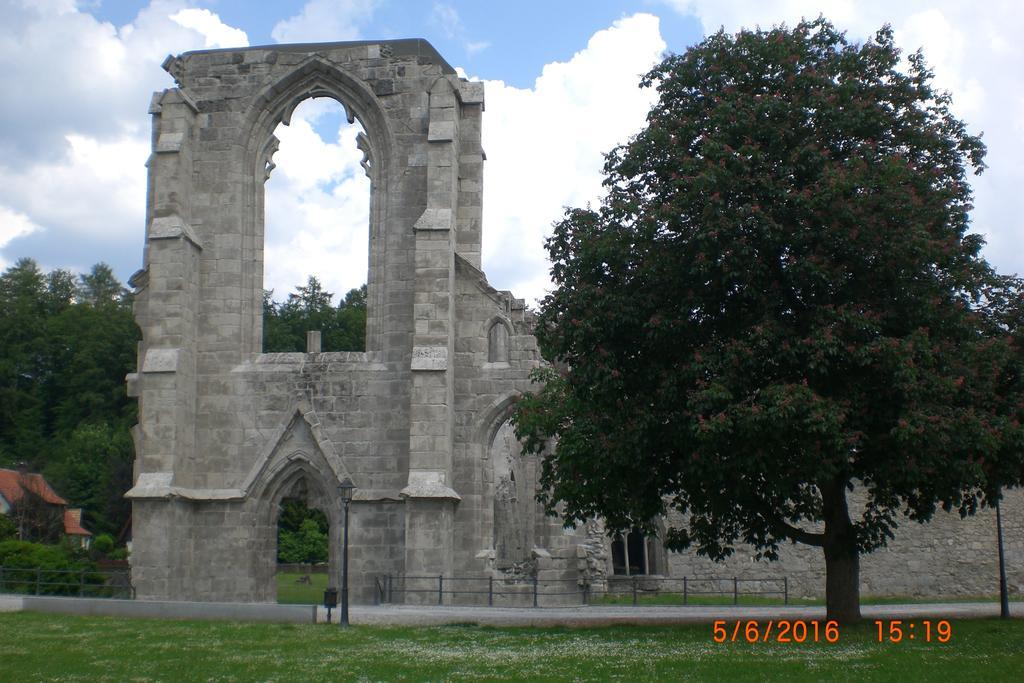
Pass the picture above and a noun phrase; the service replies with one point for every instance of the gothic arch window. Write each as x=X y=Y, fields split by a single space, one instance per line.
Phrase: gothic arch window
x=316 y=217
x=634 y=554
x=497 y=342
x=369 y=156
x=512 y=500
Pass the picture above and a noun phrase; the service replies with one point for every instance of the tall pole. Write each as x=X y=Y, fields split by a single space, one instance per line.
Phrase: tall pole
x=1004 y=596
x=343 y=621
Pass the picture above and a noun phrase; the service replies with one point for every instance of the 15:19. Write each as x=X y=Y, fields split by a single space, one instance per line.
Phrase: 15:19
x=895 y=630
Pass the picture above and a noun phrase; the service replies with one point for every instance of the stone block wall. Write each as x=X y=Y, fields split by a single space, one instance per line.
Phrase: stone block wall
x=948 y=556
x=226 y=432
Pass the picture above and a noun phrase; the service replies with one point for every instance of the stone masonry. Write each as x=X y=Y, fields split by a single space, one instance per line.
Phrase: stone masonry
x=946 y=557
x=226 y=432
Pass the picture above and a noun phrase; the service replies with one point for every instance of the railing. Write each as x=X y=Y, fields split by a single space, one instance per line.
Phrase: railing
x=530 y=591
x=83 y=583
x=728 y=587
x=302 y=568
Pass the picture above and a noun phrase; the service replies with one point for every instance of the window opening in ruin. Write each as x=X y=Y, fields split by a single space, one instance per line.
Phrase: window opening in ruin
x=316 y=231
x=497 y=343
x=303 y=540
x=633 y=554
x=512 y=513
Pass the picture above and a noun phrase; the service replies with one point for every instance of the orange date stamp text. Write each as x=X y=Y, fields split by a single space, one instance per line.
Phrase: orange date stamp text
x=775 y=631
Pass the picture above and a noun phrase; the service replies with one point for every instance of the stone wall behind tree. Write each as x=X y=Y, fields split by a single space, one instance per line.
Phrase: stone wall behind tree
x=947 y=557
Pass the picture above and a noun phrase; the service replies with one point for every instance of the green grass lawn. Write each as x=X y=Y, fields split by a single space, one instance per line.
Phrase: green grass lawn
x=291 y=592
x=50 y=647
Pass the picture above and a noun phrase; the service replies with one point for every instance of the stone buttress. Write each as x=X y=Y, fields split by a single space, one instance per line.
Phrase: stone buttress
x=227 y=432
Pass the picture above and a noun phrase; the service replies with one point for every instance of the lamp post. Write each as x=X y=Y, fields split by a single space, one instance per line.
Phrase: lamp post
x=1004 y=596
x=345 y=490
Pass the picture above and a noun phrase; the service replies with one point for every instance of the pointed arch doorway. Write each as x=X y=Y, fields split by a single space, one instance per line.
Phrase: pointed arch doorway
x=302 y=467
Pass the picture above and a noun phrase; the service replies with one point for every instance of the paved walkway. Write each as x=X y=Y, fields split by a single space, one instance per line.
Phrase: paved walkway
x=599 y=615
x=593 y=615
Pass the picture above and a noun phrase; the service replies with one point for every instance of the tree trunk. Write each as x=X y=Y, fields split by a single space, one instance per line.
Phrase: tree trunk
x=842 y=559
x=842 y=584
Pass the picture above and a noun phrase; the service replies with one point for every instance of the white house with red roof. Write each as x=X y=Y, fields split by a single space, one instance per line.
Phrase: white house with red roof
x=16 y=484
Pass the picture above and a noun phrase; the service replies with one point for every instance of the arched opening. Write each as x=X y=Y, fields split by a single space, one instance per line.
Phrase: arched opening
x=497 y=342
x=513 y=504
x=637 y=554
x=276 y=103
x=303 y=550
x=316 y=230
x=297 y=522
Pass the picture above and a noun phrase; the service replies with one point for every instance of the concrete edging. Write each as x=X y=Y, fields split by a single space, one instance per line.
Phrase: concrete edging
x=153 y=609
x=11 y=603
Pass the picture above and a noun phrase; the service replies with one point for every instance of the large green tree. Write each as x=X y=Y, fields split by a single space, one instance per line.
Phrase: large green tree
x=777 y=303
x=91 y=467
x=25 y=304
x=301 y=533
x=342 y=327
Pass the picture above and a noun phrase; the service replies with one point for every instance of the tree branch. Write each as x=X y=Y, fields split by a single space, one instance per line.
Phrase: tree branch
x=799 y=535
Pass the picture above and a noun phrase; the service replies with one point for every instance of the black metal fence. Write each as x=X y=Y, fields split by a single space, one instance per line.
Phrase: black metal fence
x=622 y=590
x=83 y=583
x=302 y=568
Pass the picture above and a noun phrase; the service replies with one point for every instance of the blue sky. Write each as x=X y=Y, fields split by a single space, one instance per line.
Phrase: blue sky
x=520 y=37
x=560 y=81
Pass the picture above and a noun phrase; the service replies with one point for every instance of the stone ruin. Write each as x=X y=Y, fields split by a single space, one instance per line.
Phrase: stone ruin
x=419 y=421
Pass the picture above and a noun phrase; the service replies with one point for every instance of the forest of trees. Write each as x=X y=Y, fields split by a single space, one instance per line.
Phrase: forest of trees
x=66 y=343
x=342 y=327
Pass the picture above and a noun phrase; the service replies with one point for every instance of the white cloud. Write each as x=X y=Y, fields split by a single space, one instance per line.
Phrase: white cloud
x=447 y=18
x=62 y=194
x=325 y=21
x=75 y=137
x=13 y=224
x=976 y=54
x=545 y=145
x=714 y=14
x=214 y=31
x=74 y=74
x=317 y=207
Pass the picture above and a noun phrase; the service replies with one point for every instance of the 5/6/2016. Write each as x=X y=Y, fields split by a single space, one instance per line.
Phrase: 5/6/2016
x=781 y=631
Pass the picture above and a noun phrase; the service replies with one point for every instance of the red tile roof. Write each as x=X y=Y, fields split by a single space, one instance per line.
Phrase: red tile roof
x=73 y=523
x=10 y=489
x=13 y=485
